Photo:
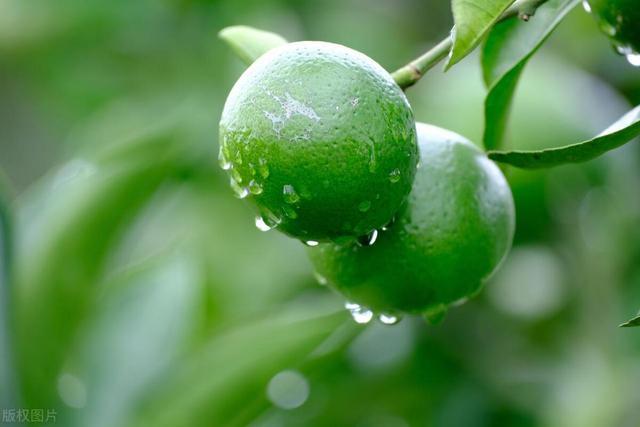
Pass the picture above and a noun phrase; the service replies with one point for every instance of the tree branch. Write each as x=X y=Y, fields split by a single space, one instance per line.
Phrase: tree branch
x=409 y=75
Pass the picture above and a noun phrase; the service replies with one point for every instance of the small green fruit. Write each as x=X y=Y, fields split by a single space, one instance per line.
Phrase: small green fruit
x=620 y=20
x=454 y=230
x=321 y=139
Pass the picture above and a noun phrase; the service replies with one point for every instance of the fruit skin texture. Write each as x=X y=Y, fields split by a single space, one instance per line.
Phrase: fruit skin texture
x=454 y=230
x=322 y=138
x=620 y=19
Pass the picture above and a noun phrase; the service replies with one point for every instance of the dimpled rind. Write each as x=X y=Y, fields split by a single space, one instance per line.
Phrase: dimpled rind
x=620 y=20
x=452 y=233
x=321 y=138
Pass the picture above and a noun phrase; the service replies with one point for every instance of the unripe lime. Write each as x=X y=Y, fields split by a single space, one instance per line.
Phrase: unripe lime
x=453 y=231
x=620 y=20
x=321 y=138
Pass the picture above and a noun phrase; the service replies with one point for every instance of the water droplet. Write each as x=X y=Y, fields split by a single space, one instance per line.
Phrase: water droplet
x=360 y=314
x=369 y=239
x=632 y=56
x=225 y=164
x=238 y=157
x=320 y=278
x=364 y=206
x=263 y=169
x=608 y=29
x=586 y=6
x=388 y=319
x=255 y=188
x=261 y=224
x=311 y=243
x=270 y=219
x=394 y=176
x=634 y=59
x=290 y=212
x=388 y=225
x=239 y=191
x=235 y=174
x=289 y=193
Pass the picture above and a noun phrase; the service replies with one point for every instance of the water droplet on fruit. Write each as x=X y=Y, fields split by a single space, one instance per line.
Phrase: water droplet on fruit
x=360 y=314
x=290 y=212
x=394 y=176
x=225 y=164
x=388 y=319
x=632 y=56
x=369 y=239
x=255 y=188
x=320 y=278
x=289 y=194
x=235 y=174
x=311 y=243
x=239 y=191
x=586 y=6
x=608 y=29
x=261 y=224
x=634 y=59
x=269 y=218
x=263 y=169
x=364 y=206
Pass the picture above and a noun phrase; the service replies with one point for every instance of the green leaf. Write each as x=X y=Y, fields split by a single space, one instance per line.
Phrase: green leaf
x=237 y=363
x=631 y=323
x=7 y=372
x=250 y=43
x=472 y=19
x=67 y=233
x=155 y=308
x=619 y=133
x=508 y=48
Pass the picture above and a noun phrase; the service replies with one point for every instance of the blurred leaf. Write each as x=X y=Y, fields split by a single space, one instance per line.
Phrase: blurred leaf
x=7 y=373
x=215 y=382
x=631 y=323
x=507 y=50
x=619 y=133
x=472 y=19
x=145 y=320
x=66 y=237
x=250 y=43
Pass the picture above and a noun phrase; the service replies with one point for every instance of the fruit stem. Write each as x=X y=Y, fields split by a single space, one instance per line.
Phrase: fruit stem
x=409 y=75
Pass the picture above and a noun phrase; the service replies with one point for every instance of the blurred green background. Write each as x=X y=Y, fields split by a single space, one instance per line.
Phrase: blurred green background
x=139 y=292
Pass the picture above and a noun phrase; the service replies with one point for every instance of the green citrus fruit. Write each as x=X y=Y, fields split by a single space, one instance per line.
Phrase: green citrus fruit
x=321 y=138
x=453 y=231
x=620 y=20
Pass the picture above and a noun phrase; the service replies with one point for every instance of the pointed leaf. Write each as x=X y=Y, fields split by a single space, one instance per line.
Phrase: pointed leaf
x=67 y=232
x=250 y=43
x=631 y=323
x=624 y=130
x=472 y=19
x=236 y=365
x=7 y=372
x=508 y=48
